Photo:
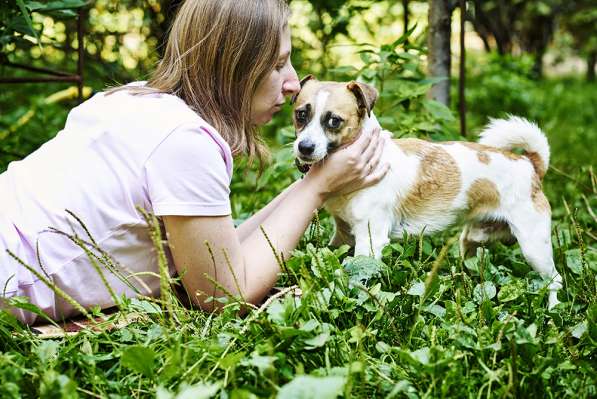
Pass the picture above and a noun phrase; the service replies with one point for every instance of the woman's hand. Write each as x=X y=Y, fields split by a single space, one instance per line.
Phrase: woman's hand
x=351 y=168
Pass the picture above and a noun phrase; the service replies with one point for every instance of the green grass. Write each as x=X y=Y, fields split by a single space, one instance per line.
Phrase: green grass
x=422 y=323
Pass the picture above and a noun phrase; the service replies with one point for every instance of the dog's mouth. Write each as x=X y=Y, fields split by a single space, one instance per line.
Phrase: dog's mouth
x=307 y=159
x=314 y=157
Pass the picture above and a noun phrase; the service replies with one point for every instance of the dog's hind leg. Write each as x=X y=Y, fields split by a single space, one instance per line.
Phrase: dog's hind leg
x=532 y=229
x=477 y=233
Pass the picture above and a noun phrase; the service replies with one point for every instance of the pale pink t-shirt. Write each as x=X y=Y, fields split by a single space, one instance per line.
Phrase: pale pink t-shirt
x=116 y=152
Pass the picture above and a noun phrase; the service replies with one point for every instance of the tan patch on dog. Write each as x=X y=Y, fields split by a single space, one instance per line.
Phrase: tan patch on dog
x=539 y=199
x=482 y=197
x=483 y=157
x=343 y=103
x=482 y=150
x=412 y=146
x=537 y=162
x=437 y=182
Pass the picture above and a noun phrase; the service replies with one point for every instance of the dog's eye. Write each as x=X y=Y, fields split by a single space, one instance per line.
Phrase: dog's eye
x=301 y=116
x=334 y=122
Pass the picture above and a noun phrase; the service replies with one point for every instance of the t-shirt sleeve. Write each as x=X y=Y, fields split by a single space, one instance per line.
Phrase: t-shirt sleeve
x=186 y=175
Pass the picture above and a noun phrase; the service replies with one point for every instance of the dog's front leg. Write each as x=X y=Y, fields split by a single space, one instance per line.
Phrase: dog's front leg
x=342 y=234
x=371 y=236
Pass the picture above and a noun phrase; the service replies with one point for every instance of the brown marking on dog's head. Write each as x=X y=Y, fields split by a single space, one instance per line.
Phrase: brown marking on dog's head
x=482 y=197
x=539 y=199
x=437 y=182
x=365 y=94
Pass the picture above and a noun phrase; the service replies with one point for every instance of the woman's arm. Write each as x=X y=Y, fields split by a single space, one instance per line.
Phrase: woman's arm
x=252 y=223
x=211 y=246
x=247 y=268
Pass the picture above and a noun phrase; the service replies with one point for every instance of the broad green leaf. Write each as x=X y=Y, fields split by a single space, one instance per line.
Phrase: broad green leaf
x=511 y=291
x=579 y=329
x=232 y=359
x=262 y=363
x=417 y=289
x=574 y=260
x=382 y=347
x=47 y=351
x=310 y=325
x=198 y=391
x=309 y=387
x=485 y=291
x=317 y=341
x=437 y=310
x=362 y=268
x=139 y=358
x=275 y=312
x=418 y=357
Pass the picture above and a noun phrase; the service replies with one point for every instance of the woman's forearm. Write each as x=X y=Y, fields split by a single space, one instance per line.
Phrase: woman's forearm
x=246 y=228
x=284 y=227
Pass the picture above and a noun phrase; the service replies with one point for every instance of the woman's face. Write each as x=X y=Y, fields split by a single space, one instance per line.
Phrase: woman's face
x=281 y=82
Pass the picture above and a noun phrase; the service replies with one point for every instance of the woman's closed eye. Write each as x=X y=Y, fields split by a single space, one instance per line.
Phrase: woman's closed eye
x=282 y=62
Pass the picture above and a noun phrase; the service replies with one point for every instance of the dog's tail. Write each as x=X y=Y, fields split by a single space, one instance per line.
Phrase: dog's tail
x=516 y=132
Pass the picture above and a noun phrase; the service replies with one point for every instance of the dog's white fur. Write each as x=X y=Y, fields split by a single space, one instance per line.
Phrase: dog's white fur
x=369 y=217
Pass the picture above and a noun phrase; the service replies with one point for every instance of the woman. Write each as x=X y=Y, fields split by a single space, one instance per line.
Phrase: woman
x=166 y=146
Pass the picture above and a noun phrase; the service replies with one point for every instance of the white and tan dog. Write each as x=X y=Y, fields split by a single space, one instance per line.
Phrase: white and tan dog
x=431 y=186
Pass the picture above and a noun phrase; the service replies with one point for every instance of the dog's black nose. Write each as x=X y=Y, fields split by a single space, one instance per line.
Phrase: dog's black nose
x=306 y=147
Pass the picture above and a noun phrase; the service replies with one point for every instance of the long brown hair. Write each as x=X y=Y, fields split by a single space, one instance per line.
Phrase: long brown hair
x=217 y=53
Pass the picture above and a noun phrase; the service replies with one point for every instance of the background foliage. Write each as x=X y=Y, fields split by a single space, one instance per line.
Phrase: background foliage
x=421 y=323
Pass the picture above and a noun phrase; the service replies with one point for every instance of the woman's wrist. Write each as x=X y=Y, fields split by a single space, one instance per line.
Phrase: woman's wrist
x=312 y=185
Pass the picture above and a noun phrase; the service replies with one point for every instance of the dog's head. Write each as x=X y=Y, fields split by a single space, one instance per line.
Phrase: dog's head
x=328 y=115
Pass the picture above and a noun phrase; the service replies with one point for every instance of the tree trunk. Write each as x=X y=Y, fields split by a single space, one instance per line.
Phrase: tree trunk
x=591 y=66
x=406 y=13
x=439 y=58
x=538 y=63
x=462 y=71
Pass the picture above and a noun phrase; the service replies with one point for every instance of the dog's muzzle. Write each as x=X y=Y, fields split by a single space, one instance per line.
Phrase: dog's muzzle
x=306 y=147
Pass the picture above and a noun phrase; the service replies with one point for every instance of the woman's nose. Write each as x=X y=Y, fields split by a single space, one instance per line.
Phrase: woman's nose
x=291 y=84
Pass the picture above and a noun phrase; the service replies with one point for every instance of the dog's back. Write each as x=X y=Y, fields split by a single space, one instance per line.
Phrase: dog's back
x=473 y=181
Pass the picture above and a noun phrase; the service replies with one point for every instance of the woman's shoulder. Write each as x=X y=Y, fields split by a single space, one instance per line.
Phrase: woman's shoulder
x=145 y=99
x=131 y=107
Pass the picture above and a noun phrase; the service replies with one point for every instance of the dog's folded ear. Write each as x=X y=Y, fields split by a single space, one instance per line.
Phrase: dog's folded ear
x=366 y=95
x=303 y=81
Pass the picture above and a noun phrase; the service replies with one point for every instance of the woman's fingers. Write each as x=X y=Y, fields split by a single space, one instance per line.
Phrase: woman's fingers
x=357 y=166
x=374 y=142
x=362 y=142
x=375 y=159
x=376 y=175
